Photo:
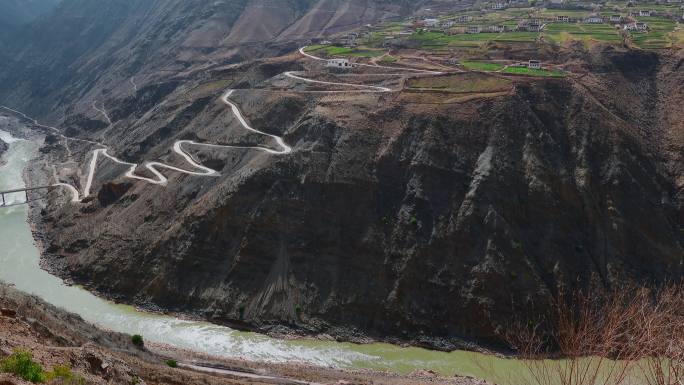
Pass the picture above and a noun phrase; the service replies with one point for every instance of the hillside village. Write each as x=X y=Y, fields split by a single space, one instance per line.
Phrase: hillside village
x=458 y=32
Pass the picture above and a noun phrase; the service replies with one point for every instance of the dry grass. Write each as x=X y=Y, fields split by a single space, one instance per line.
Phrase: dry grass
x=463 y=83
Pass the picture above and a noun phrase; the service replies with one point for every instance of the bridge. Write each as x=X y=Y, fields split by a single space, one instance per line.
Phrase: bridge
x=25 y=191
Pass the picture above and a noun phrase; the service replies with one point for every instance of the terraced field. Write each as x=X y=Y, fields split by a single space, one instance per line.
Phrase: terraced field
x=533 y=72
x=440 y=41
x=331 y=50
x=663 y=30
x=482 y=66
x=563 y=32
x=660 y=35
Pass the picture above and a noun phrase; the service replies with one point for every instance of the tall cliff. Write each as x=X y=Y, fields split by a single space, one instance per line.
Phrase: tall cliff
x=397 y=216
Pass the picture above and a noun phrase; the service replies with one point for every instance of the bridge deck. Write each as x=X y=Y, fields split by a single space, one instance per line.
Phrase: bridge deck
x=25 y=190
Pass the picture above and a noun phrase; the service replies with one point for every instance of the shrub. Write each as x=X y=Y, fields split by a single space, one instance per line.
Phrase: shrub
x=172 y=363
x=21 y=364
x=606 y=336
x=63 y=375
x=138 y=340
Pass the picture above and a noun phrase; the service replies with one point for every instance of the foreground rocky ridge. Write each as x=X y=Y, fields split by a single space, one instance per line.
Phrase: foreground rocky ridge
x=413 y=217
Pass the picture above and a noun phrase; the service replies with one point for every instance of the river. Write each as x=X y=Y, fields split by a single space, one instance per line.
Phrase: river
x=19 y=265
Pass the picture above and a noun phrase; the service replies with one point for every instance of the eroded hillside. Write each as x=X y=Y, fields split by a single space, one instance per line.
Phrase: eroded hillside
x=429 y=216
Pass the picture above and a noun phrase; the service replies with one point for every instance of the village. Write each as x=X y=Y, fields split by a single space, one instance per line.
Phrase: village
x=458 y=33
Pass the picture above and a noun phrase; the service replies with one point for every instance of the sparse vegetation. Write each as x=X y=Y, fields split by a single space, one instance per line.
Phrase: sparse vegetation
x=21 y=364
x=463 y=83
x=62 y=374
x=413 y=221
x=389 y=59
x=137 y=340
x=625 y=335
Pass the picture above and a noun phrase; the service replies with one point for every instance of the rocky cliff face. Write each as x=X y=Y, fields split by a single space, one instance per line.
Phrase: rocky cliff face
x=397 y=216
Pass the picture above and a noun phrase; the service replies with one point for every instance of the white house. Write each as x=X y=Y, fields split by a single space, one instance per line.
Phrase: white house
x=639 y=27
x=497 y=28
x=430 y=22
x=474 y=29
x=349 y=41
x=563 y=19
x=594 y=19
x=531 y=25
x=339 y=63
x=615 y=18
x=498 y=6
x=534 y=64
x=643 y=13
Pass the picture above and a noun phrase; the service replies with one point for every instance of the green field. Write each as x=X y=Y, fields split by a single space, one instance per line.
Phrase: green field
x=441 y=41
x=533 y=72
x=517 y=37
x=331 y=50
x=563 y=32
x=482 y=66
x=660 y=34
x=389 y=59
x=438 y=40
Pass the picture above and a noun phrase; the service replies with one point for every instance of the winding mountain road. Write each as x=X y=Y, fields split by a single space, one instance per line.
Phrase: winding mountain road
x=198 y=169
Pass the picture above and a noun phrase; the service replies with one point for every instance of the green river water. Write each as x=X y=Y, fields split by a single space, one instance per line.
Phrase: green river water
x=19 y=259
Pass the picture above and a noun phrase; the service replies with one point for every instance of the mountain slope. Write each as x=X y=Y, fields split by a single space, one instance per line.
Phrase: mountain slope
x=14 y=13
x=85 y=48
x=396 y=217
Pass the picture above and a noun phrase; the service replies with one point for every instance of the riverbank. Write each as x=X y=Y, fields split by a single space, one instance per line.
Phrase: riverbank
x=56 y=337
x=36 y=173
x=10 y=130
x=19 y=265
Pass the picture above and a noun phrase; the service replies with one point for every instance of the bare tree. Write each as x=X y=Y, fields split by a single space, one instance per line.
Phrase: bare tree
x=627 y=335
